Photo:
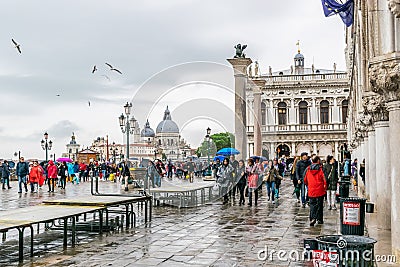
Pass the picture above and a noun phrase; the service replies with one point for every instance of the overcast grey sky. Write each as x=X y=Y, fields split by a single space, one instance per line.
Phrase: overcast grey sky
x=171 y=52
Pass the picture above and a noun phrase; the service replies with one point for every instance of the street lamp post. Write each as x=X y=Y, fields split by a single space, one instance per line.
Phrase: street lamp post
x=46 y=144
x=208 y=137
x=127 y=125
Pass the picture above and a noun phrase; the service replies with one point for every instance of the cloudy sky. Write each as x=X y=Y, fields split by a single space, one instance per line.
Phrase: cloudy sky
x=171 y=52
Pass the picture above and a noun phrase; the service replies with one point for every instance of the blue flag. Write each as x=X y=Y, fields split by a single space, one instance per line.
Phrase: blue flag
x=345 y=11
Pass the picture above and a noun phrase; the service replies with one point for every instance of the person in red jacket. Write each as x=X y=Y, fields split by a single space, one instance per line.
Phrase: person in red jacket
x=315 y=180
x=51 y=175
x=35 y=175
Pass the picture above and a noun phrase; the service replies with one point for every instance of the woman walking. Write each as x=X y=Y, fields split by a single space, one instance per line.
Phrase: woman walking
x=225 y=175
x=271 y=176
x=242 y=179
x=252 y=179
x=52 y=175
x=63 y=173
x=35 y=175
x=294 y=180
x=331 y=176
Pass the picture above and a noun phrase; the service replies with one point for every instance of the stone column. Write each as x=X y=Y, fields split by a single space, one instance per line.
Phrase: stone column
x=272 y=152
x=315 y=148
x=257 y=87
x=240 y=69
x=294 y=149
x=383 y=190
x=372 y=166
x=394 y=130
x=366 y=156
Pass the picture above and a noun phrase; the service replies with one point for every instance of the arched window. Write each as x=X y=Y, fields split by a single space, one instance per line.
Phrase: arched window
x=263 y=114
x=303 y=112
x=345 y=110
x=282 y=114
x=324 y=111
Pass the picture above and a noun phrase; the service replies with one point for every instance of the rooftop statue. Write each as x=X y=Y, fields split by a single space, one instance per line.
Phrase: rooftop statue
x=239 y=51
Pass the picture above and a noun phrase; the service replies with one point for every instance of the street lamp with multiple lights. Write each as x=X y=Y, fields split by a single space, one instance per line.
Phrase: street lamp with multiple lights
x=127 y=125
x=46 y=144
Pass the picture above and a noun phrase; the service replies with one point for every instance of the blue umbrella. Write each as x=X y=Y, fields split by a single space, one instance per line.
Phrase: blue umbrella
x=227 y=151
x=221 y=158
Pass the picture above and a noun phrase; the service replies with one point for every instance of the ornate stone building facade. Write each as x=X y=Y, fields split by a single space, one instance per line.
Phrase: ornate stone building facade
x=373 y=56
x=295 y=110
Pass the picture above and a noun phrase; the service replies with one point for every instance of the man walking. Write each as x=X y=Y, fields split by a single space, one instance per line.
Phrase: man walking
x=301 y=167
x=5 y=174
x=315 y=180
x=22 y=172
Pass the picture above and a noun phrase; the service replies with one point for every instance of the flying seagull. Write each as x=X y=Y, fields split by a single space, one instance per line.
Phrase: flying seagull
x=89 y=103
x=94 y=69
x=105 y=76
x=57 y=95
x=18 y=46
x=114 y=69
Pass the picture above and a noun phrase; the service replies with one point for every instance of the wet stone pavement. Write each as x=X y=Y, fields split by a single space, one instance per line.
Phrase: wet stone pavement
x=212 y=235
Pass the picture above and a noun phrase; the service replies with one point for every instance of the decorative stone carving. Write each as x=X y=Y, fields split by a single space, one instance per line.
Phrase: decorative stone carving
x=374 y=105
x=394 y=6
x=385 y=80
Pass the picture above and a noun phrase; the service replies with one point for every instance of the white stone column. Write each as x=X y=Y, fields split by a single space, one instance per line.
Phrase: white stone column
x=240 y=73
x=383 y=190
x=372 y=166
x=394 y=130
x=336 y=148
x=335 y=111
x=293 y=152
x=257 y=87
x=315 y=148
x=313 y=112
x=366 y=155
x=292 y=112
x=272 y=152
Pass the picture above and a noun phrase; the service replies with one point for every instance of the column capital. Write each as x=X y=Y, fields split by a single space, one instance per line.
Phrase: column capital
x=384 y=76
x=240 y=65
x=374 y=106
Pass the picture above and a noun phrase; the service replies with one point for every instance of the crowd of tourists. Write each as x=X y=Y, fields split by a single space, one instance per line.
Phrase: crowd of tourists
x=314 y=180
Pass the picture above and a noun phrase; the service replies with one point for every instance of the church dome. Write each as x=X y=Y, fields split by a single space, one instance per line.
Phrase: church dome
x=298 y=56
x=147 y=131
x=167 y=125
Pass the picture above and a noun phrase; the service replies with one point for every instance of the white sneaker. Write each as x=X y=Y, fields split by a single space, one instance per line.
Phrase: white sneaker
x=273 y=201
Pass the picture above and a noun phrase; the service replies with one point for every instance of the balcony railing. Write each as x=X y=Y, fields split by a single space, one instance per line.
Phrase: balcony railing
x=300 y=128
x=305 y=77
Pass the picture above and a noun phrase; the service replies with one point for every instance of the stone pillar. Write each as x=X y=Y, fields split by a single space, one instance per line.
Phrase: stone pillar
x=372 y=166
x=257 y=87
x=366 y=155
x=272 y=152
x=293 y=152
x=315 y=148
x=240 y=69
x=383 y=190
x=394 y=130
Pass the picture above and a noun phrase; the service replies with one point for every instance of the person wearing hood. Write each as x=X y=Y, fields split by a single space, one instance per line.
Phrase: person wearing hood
x=5 y=175
x=301 y=167
x=35 y=175
x=315 y=180
x=52 y=175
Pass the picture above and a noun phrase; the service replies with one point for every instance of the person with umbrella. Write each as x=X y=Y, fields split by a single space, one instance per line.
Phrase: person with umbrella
x=224 y=174
x=63 y=173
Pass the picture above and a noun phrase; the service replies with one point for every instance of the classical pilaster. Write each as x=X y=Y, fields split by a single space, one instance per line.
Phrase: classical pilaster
x=383 y=191
x=240 y=69
x=293 y=152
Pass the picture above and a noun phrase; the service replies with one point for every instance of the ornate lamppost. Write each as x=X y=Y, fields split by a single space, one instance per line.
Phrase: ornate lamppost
x=127 y=125
x=46 y=144
x=208 y=137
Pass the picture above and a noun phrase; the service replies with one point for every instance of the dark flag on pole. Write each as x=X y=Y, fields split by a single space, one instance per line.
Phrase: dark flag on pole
x=345 y=11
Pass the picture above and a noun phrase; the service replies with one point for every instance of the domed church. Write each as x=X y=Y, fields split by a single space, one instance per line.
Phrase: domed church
x=167 y=136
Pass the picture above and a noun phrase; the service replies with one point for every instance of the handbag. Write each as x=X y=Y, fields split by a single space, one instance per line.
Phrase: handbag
x=253 y=180
x=215 y=187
